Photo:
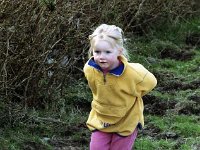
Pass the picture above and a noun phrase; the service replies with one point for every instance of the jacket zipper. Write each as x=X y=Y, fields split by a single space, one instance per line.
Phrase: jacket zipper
x=104 y=78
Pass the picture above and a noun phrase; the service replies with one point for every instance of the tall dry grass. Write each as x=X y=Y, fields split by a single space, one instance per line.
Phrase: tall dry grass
x=44 y=43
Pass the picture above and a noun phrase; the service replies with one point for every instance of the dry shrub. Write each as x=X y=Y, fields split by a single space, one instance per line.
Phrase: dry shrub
x=44 y=43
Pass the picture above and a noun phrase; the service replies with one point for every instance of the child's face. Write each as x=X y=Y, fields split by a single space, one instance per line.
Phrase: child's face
x=105 y=55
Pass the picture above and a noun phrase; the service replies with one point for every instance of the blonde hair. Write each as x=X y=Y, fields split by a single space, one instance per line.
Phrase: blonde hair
x=110 y=33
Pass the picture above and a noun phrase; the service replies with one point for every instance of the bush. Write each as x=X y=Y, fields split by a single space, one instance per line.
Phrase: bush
x=44 y=43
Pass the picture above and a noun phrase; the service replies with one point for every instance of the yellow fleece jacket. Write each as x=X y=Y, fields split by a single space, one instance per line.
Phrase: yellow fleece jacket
x=117 y=104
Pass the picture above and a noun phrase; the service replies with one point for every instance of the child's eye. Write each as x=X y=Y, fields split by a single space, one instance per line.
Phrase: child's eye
x=97 y=52
x=108 y=52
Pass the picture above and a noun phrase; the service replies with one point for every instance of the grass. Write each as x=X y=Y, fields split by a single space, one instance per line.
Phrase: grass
x=185 y=126
x=16 y=138
x=148 y=143
x=64 y=124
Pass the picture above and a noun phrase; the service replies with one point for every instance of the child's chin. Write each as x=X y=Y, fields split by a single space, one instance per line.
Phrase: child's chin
x=104 y=67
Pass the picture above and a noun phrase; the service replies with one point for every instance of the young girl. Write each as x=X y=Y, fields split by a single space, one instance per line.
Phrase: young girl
x=117 y=87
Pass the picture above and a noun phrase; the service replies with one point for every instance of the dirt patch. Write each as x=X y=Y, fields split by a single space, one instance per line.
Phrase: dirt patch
x=154 y=131
x=151 y=130
x=189 y=110
x=180 y=141
x=180 y=85
x=62 y=143
x=72 y=130
x=156 y=106
x=71 y=138
x=195 y=84
x=195 y=98
x=168 y=82
x=177 y=54
x=193 y=39
x=168 y=135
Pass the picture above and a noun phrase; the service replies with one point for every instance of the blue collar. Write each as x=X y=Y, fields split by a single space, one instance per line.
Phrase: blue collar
x=117 y=71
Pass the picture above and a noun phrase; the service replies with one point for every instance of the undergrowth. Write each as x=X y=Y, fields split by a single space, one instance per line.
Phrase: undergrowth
x=171 y=109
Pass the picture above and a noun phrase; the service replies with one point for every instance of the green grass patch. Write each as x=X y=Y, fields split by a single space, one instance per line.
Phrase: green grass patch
x=160 y=122
x=148 y=143
x=187 y=126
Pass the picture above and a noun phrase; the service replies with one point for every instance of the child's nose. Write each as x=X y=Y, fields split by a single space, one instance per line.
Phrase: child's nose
x=101 y=56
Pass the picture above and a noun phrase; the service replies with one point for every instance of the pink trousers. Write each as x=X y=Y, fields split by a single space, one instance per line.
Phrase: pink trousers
x=112 y=141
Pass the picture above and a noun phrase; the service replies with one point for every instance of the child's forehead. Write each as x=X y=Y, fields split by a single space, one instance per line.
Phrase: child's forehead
x=103 y=43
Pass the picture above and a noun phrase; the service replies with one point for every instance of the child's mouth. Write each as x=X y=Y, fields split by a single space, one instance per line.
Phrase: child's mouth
x=103 y=63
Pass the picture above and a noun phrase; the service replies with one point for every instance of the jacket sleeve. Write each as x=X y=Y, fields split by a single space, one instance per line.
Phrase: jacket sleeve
x=148 y=80
x=148 y=83
x=85 y=70
x=88 y=72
